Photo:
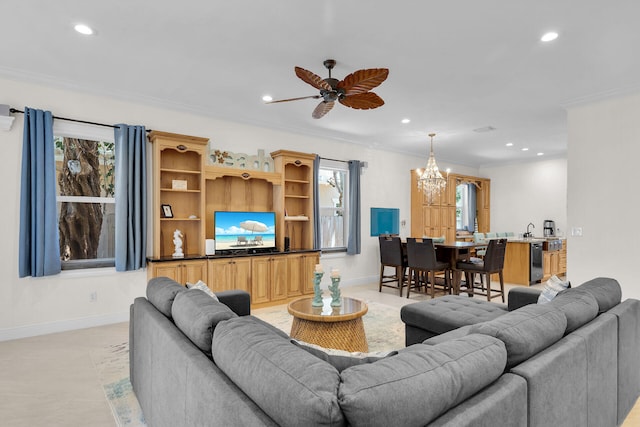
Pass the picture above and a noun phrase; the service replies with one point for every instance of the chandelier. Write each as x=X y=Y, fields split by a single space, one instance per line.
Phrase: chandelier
x=430 y=181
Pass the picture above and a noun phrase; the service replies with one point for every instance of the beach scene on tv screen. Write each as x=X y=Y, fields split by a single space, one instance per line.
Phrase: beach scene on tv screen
x=238 y=230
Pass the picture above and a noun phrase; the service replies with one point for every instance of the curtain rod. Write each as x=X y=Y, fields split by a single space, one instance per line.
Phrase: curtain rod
x=335 y=160
x=362 y=164
x=13 y=110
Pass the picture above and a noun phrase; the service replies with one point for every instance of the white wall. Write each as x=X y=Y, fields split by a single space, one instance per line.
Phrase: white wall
x=528 y=192
x=34 y=306
x=603 y=171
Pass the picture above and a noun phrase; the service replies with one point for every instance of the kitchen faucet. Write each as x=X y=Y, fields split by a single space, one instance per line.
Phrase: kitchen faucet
x=528 y=233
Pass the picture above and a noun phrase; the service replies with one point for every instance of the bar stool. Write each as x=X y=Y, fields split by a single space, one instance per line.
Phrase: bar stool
x=392 y=255
x=422 y=263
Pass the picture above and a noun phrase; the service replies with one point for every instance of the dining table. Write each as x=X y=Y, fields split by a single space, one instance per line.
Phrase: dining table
x=452 y=252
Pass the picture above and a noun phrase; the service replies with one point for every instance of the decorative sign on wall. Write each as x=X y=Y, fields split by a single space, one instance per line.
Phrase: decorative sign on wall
x=241 y=160
x=385 y=221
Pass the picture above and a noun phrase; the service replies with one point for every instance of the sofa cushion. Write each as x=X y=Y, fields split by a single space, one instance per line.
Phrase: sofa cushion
x=579 y=306
x=421 y=382
x=161 y=291
x=525 y=331
x=449 y=312
x=196 y=314
x=606 y=291
x=341 y=359
x=292 y=386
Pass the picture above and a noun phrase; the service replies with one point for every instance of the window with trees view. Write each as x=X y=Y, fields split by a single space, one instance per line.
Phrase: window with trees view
x=333 y=178
x=85 y=178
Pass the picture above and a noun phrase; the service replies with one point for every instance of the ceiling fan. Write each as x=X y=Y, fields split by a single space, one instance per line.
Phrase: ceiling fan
x=353 y=91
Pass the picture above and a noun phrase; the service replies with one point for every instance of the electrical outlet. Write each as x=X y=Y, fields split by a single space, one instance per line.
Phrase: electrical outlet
x=93 y=296
x=576 y=231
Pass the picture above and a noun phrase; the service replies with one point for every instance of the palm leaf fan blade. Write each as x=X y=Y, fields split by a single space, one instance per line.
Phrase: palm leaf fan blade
x=362 y=81
x=323 y=108
x=311 y=78
x=362 y=101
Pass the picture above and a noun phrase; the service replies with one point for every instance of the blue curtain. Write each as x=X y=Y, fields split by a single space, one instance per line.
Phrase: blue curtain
x=39 y=246
x=131 y=197
x=353 y=241
x=316 y=205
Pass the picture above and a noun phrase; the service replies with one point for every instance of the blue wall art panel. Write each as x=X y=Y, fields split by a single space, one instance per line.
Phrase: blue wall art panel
x=385 y=221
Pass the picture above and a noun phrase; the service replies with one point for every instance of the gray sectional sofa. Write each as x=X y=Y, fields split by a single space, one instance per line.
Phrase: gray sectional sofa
x=577 y=353
x=196 y=361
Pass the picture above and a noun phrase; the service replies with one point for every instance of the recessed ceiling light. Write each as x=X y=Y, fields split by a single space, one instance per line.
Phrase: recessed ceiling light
x=540 y=154
x=405 y=121
x=509 y=144
x=550 y=36
x=525 y=149
x=83 y=29
x=267 y=98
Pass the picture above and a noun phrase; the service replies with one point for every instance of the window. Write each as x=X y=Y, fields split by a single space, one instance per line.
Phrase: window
x=466 y=207
x=333 y=179
x=85 y=195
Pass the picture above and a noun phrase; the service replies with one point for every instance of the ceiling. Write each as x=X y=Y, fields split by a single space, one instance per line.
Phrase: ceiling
x=454 y=66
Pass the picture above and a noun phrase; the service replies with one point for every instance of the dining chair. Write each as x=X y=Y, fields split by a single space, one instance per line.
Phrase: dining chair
x=492 y=263
x=423 y=265
x=392 y=255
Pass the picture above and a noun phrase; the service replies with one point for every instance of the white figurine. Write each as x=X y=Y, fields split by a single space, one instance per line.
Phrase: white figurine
x=177 y=241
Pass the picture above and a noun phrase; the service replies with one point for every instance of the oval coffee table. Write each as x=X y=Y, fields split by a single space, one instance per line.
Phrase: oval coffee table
x=327 y=326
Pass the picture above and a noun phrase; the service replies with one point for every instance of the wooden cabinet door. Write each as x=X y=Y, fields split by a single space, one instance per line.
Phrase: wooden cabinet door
x=546 y=265
x=242 y=274
x=309 y=267
x=555 y=263
x=295 y=276
x=192 y=271
x=260 y=280
x=300 y=273
x=166 y=269
x=220 y=275
x=278 y=273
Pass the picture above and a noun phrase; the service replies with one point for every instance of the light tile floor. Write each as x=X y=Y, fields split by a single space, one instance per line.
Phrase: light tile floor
x=51 y=381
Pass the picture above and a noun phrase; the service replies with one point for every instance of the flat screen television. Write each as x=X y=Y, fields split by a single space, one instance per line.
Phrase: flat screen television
x=245 y=230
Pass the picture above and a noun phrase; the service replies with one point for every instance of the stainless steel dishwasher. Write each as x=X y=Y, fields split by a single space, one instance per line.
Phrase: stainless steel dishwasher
x=535 y=262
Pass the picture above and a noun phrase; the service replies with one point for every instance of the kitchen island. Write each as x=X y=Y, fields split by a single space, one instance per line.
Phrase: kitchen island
x=517 y=260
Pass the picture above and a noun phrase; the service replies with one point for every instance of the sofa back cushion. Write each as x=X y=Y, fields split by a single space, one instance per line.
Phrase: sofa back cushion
x=525 y=331
x=421 y=382
x=161 y=291
x=579 y=306
x=605 y=290
x=291 y=385
x=196 y=314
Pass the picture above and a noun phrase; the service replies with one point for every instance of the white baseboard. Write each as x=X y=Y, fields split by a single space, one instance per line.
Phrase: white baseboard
x=62 y=326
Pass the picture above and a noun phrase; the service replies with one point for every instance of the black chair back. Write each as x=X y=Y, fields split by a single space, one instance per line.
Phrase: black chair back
x=391 y=251
x=494 y=258
x=421 y=254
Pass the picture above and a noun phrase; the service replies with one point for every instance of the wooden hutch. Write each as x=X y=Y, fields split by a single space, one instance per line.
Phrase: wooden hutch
x=270 y=278
x=438 y=218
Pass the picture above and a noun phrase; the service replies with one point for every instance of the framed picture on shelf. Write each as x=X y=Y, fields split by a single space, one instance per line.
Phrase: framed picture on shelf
x=166 y=211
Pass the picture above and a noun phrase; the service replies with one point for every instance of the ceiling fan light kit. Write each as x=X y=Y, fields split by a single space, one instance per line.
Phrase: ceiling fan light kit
x=353 y=91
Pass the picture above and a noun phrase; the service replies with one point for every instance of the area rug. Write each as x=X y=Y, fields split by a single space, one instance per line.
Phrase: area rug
x=112 y=366
x=382 y=324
